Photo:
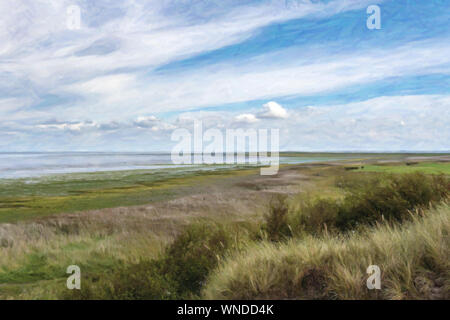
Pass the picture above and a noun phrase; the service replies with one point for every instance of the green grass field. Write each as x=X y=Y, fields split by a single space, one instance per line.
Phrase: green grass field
x=424 y=167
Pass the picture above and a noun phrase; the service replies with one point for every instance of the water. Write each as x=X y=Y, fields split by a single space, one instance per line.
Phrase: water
x=20 y=165
x=24 y=165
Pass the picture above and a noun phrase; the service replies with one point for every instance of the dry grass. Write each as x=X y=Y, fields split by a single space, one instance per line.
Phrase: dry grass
x=414 y=259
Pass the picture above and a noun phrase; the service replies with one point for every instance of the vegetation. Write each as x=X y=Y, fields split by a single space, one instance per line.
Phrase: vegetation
x=413 y=258
x=387 y=198
x=410 y=167
x=178 y=273
x=22 y=199
x=277 y=225
x=314 y=244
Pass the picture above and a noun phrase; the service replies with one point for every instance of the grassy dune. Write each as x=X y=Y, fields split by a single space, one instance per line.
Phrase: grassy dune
x=414 y=259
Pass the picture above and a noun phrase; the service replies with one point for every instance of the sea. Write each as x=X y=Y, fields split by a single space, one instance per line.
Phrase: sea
x=34 y=164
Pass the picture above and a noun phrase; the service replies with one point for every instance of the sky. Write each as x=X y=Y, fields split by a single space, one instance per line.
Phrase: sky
x=133 y=71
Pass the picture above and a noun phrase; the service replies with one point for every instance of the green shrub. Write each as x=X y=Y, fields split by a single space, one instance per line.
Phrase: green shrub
x=193 y=254
x=417 y=189
x=353 y=181
x=370 y=200
x=275 y=224
x=144 y=280
x=392 y=200
x=441 y=187
x=178 y=273
x=374 y=205
x=315 y=216
x=139 y=281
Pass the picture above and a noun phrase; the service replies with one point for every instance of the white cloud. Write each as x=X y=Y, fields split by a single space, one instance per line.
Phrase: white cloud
x=106 y=73
x=163 y=126
x=226 y=83
x=105 y=85
x=246 y=118
x=153 y=123
x=149 y=118
x=391 y=123
x=132 y=37
x=145 y=122
x=273 y=110
x=71 y=126
x=416 y=122
x=270 y=110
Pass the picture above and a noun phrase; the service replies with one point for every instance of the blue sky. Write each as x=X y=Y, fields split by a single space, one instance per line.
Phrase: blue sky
x=136 y=70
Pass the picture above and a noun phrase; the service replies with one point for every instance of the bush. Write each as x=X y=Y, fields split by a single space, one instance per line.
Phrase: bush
x=178 y=273
x=419 y=189
x=144 y=280
x=374 y=205
x=193 y=254
x=316 y=216
x=393 y=200
x=370 y=200
x=275 y=224
x=352 y=181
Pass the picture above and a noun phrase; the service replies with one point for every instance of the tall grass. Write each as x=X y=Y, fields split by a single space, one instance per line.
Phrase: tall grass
x=414 y=259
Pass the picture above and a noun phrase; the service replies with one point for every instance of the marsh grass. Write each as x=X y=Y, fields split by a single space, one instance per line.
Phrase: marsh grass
x=24 y=199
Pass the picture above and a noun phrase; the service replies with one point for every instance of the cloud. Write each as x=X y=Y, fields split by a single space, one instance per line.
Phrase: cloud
x=103 y=81
x=153 y=123
x=270 y=110
x=146 y=122
x=163 y=126
x=71 y=126
x=110 y=126
x=393 y=123
x=108 y=63
x=397 y=123
x=246 y=118
x=229 y=83
x=273 y=110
